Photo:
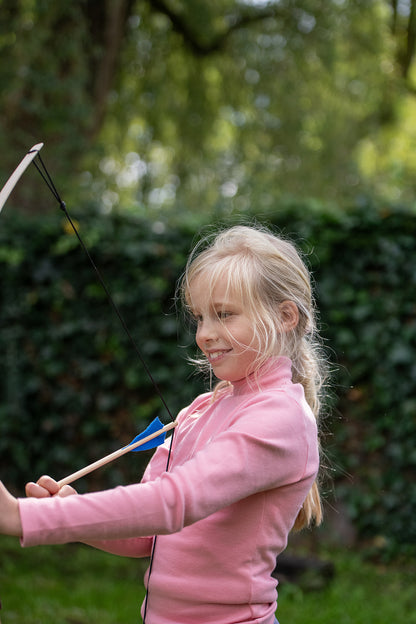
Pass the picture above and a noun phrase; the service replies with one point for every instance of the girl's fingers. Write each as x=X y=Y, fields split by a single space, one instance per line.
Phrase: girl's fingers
x=49 y=484
x=36 y=491
x=46 y=486
x=66 y=490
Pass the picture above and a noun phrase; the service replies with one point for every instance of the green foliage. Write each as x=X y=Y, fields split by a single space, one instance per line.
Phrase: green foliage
x=71 y=382
x=70 y=379
x=199 y=101
x=364 y=264
x=251 y=102
x=44 y=82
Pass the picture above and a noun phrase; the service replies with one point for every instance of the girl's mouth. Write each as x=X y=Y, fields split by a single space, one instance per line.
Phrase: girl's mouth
x=215 y=356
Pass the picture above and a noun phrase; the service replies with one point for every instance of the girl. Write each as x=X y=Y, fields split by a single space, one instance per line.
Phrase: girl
x=244 y=459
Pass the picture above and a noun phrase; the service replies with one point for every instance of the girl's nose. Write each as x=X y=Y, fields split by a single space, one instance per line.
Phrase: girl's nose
x=206 y=331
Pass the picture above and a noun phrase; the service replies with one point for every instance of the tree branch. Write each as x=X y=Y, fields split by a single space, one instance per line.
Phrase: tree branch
x=394 y=4
x=107 y=28
x=411 y=40
x=217 y=42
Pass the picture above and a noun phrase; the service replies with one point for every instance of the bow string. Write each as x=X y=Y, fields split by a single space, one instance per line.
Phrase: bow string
x=144 y=439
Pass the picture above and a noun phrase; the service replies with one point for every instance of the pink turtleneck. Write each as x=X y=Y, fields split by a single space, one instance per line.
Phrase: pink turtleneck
x=240 y=470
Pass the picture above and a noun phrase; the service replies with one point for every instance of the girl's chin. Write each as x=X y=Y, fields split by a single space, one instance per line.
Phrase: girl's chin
x=224 y=375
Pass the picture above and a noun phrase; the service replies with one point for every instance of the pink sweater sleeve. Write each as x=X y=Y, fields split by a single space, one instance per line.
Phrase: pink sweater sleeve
x=250 y=456
x=137 y=546
x=131 y=547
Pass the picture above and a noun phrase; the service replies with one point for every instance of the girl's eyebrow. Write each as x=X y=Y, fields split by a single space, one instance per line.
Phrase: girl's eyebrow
x=213 y=305
x=223 y=304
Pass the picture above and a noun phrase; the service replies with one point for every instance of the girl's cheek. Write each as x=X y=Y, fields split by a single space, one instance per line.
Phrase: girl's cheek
x=198 y=339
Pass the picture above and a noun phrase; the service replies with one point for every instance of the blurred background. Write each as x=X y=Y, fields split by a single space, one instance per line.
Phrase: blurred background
x=160 y=119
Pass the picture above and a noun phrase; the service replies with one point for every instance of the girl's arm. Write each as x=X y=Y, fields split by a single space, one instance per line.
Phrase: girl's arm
x=10 y=523
x=272 y=444
x=130 y=547
x=46 y=487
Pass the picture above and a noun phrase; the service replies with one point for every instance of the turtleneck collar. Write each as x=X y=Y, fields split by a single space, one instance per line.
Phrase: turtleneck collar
x=275 y=372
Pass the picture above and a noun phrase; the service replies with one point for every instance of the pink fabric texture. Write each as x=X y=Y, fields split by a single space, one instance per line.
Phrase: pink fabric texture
x=240 y=470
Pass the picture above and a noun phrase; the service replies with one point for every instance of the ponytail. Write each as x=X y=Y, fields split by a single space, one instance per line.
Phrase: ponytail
x=308 y=369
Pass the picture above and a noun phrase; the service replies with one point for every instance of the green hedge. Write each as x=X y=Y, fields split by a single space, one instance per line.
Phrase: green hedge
x=73 y=389
x=364 y=263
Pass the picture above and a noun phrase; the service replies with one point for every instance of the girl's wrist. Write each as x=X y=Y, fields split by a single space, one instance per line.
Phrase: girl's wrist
x=10 y=522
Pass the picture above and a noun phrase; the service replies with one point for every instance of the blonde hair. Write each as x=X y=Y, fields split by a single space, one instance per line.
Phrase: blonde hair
x=264 y=271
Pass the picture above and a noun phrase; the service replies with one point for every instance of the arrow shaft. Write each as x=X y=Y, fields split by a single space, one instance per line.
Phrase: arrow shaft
x=115 y=455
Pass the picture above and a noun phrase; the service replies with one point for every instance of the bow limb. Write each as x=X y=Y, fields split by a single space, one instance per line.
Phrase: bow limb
x=14 y=178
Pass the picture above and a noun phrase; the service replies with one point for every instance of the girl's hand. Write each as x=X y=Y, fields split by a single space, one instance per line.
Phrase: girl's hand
x=46 y=486
x=9 y=513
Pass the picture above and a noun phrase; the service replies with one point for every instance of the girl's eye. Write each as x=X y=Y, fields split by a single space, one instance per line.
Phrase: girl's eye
x=223 y=315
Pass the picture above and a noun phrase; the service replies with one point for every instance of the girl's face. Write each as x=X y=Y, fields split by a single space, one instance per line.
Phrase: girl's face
x=224 y=332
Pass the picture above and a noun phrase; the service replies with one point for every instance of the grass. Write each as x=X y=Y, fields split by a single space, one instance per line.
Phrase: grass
x=360 y=593
x=74 y=584
x=69 y=584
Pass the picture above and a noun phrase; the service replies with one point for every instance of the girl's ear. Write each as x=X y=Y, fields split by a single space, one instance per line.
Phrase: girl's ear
x=289 y=313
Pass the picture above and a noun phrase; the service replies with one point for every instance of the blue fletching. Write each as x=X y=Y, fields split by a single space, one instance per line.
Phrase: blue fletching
x=154 y=426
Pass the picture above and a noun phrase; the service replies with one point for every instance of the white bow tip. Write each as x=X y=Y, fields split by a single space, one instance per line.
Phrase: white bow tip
x=36 y=148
